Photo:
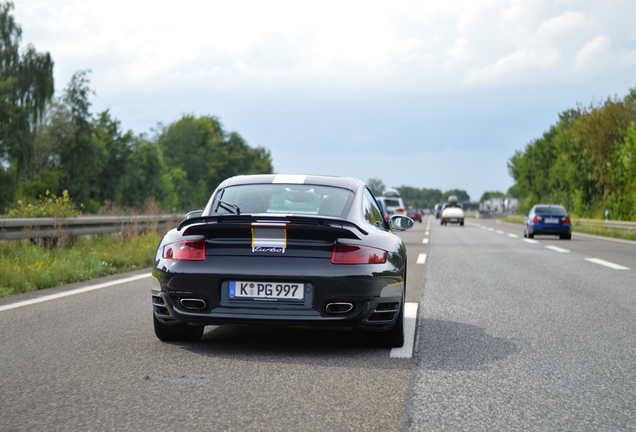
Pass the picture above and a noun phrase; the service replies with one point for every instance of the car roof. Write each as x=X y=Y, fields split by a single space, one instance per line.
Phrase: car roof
x=342 y=182
x=549 y=205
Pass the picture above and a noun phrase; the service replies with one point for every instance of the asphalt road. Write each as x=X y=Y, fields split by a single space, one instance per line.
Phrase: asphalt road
x=510 y=335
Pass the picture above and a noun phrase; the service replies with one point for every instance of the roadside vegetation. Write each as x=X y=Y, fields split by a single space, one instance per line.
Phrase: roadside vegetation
x=34 y=264
x=586 y=162
x=25 y=266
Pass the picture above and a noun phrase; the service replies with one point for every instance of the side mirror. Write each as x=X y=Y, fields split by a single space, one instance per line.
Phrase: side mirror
x=401 y=223
x=194 y=214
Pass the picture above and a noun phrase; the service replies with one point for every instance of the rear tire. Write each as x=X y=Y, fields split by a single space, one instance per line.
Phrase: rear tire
x=177 y=332
x=566 y=237
x=530 y=235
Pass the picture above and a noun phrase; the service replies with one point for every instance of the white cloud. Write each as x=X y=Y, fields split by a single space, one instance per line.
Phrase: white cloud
x=565 y=24
x=519 y=66
x=460 y=53
x=593 y=51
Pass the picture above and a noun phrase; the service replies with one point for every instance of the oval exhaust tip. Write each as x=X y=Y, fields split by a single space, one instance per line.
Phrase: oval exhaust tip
x=339 y=307
x=192 y=304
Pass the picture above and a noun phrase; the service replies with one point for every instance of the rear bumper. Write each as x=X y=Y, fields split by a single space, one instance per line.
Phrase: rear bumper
x=547 y=229
x=374 y=292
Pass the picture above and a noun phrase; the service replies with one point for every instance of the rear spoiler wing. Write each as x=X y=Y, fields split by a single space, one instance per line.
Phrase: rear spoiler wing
x=205 y=224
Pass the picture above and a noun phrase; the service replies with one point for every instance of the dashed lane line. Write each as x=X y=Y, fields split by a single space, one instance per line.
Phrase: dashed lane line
x=607 y=264
x=557 y=249
x=421 y=258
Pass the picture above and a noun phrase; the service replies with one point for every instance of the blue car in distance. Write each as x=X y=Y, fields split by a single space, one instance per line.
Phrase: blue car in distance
x=548 y=219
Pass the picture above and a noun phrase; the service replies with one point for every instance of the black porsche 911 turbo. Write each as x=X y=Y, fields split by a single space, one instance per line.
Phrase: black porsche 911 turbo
x=283 y=249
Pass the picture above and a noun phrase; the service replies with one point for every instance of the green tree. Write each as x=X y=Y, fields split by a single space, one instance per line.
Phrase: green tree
x=26 y=85
x=490 y=195
x=82 y=159
x=118 y=149
x=207 y=155
x=376 y=186
x=462 y=195
x=581 y=161
x=147 y=178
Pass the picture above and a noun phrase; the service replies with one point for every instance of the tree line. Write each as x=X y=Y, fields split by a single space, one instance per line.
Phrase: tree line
x=52 y=145
x=586 y=161
x=418 y=198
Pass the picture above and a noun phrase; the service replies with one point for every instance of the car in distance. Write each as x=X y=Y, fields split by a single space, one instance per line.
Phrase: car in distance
x=290 y=250
x=452 y=212
x=548 y=219
x=415 y=215
x=438 y=210
x=392 y=202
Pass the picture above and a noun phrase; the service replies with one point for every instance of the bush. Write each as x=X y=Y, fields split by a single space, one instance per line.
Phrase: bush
x=47 y=206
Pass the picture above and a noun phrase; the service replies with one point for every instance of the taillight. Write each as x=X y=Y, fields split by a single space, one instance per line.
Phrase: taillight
x=536 y=219
x=350 y=254
x=185 y=250
x=565 y=219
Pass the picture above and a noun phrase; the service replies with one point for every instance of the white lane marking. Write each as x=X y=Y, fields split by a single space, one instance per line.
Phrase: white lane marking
x=513 y=235
x=421 y=258
x=410 y=317
x=425 y=241
x=490 y=229
x=499 y=232
x=557 y=249
x=606 y=264
x=530 y=241
x=72 y=292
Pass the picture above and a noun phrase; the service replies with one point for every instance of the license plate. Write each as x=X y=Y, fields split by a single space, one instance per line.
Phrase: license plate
x=266 y=291
x=551 y=220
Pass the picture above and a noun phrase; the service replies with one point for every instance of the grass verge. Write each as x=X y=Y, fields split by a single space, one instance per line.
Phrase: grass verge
x=25 y=266
x=600 y=230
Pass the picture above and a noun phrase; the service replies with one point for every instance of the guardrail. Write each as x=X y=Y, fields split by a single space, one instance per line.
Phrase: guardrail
x=40 y=228
x=606 y=223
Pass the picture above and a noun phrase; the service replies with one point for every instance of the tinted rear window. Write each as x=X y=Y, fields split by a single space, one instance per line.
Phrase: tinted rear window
x=286 y=199
x=392 y=203
x=551 y=210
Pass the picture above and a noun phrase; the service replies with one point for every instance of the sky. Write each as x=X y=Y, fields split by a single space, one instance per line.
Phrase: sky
x=427 y=94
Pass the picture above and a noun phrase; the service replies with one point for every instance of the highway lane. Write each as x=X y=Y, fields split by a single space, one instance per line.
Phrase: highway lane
x=91 y=361
x=510 y=335
x=515 y=336
x=616 y=251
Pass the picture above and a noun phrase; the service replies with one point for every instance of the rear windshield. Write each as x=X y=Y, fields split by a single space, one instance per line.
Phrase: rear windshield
x=392 y=202
x=551 y=210
x=285 y=199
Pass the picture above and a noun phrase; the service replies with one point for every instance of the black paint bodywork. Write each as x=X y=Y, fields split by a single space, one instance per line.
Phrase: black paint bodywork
x=376 y=290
